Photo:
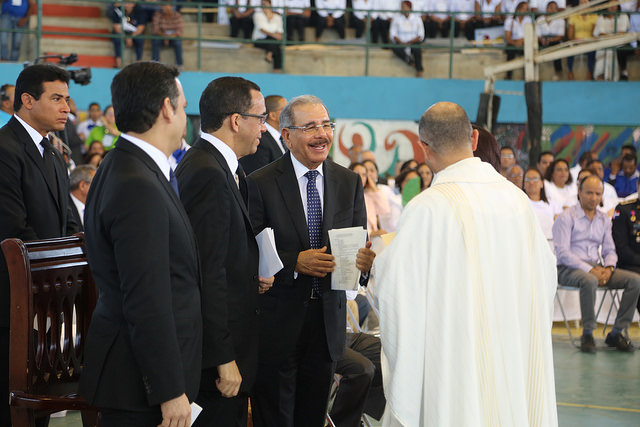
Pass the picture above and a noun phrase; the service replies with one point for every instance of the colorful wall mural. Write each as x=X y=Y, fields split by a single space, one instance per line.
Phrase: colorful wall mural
x=394 y=142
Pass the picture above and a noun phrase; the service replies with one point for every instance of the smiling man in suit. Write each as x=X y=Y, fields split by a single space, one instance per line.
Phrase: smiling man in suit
x=301 y=196
x=213 y=191
x=144 y=347
x=34 y=186
x=271 y=146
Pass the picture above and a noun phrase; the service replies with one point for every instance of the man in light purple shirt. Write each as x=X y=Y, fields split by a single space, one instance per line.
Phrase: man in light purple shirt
x=578 y=232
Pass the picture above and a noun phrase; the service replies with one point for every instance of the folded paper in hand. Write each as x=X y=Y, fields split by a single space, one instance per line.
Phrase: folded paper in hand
x=345 y=243
x=270 y=262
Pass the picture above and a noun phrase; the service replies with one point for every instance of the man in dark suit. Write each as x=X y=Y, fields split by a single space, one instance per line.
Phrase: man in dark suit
x=213 y=191
x=143 y=351
x=34 y=186
x=79 y=183
x=271 y=145
x=301 y=196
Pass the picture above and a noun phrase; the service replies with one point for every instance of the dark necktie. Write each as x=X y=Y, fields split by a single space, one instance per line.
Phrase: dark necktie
x=242 y=183
x=314 y=222
x=174 y=182
x=48 y=159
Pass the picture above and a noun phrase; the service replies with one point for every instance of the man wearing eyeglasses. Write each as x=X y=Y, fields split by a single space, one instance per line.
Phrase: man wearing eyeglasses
x=213 y=191
x=301 y=196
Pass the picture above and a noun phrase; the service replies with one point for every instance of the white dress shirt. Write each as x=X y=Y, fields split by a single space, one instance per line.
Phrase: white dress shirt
x=155 y=153
x=297 y=6
x=261 y=22
x=34 y=134
x=467 y=6
x=330 y=4
x=300 y=170
x=406 y=28
x=516 y=26
x=276 y=136
x=79 y=207
x=361 y=6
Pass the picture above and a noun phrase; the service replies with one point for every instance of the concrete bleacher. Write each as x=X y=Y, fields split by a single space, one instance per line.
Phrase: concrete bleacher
x=227 y=55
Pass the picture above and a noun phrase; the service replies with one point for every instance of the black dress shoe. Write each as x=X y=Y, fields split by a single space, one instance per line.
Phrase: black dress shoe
x=619 y=342
x=587 y=344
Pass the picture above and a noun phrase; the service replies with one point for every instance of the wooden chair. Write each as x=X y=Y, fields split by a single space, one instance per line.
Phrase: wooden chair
x=52 y=299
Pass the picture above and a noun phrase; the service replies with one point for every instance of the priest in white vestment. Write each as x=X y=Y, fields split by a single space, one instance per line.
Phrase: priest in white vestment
x=466 y=294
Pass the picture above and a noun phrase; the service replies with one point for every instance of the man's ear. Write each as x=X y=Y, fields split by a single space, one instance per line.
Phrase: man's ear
x=286 y=137
x=167 y=110
x=27 y=100
x=474 y=139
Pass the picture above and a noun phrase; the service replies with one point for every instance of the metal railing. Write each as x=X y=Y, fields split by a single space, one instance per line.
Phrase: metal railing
x=200 y=8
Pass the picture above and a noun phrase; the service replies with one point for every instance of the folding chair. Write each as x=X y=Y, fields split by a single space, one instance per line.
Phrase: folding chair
x=564 y=316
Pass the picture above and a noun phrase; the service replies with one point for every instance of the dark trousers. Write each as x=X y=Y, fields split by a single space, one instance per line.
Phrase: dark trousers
x=635 y=269
x=380 y=30
x=138 y=45
x=297 y=23
x=359 y=25
x=274 y=48
x=360 y=388
x=557 y=64
x=321 y=24
x=156 y=45
x=512 y=54
x=416 y=55
x=591 y=62
x=431 y=28
x=295 y=392
x=622 y=57
x=221 y=411
x=120 y=418
x=245 y=24
x=468 y=28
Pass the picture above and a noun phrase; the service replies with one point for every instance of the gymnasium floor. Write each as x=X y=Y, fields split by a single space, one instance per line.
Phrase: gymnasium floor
x=592 y=390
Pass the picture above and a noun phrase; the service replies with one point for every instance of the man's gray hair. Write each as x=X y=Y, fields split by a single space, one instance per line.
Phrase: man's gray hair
x=445 y=127
x=82 y=173
x=286 y=117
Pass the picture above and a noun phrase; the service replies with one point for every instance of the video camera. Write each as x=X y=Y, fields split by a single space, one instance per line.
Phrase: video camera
x=81 y=76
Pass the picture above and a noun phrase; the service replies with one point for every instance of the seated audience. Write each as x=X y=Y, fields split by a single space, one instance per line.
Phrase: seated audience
x=507 y=159
x=267 y=29
x=381 y=21
x=375 y=201
x=584 y=158
x=332 y=18
x=426 y=175
x=167 y=22
x=551 y=34
x=408 y=165
x=241 y=18
x=514 y=32
x=609 y=197
x=489 y=13
x=515 y=175
x=401 y=183
x=360 y=388
x=487 y=148
x=533 y=186
x=540 y=6
x=625 y=180
x=387 y=222
x=606 y=24
x=407 y=33
x=435 y=23
x=626 y=235
x=578 y=233
x=580 y=27
x=79 y=183
x=614 y=167
x=358 y=17
x=92 y=121
x=131 y=24
x=465 y=20
x=297 y=17
x=558 y=184
x=544 y=160
x=93 y=159
x=108 y=133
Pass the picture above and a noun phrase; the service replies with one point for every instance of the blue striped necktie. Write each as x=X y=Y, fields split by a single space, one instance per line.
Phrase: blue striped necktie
x=314 y=221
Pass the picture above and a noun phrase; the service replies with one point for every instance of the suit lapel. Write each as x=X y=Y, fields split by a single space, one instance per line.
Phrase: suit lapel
x=33 y=152
x=330 y=191
x=288 y=184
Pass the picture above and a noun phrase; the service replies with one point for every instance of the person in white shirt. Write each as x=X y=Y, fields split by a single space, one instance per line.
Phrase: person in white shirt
x=242 y=17
x=381 y=21
x=558 y=184
x=437 y=22
x=514 y=32
x=297 y=17
x=407 y=31
x=584 y=158
x=533 y=186
x=267 y=30
x=541 y=5
x=95 y=112
x=551 y=34
x=489 y=10
x=359 y=15
x=332 y=18
x=609 y=197
x=79 y=183
x=606 y=24
x=466 y=20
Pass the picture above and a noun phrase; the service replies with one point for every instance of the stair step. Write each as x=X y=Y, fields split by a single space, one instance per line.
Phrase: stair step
x=72 y=22
x=73 y=30
x=99 y=61
x=78 y=11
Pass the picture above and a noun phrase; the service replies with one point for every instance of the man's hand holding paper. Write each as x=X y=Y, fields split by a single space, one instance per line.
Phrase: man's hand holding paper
x=315 y=262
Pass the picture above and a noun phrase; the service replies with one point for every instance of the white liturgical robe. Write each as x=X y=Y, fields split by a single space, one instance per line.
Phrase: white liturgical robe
x=466 y=292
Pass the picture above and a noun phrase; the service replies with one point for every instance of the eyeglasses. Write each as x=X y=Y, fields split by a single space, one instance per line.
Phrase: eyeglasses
x=261 y=117
x=326 y=127
x=507 y=156
x=531 y=179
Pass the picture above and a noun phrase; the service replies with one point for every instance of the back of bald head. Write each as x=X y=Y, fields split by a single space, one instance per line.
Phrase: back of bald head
x=445 y=126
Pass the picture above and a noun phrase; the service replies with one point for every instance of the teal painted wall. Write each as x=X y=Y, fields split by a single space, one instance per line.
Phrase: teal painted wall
x=575 y=103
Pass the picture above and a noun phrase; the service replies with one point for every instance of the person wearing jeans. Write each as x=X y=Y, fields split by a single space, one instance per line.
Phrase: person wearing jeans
x=15 y=15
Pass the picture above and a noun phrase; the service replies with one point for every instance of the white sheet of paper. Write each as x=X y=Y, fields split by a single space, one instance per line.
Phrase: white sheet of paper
x=270 y=262
x=195 y=411
x=345 y=243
